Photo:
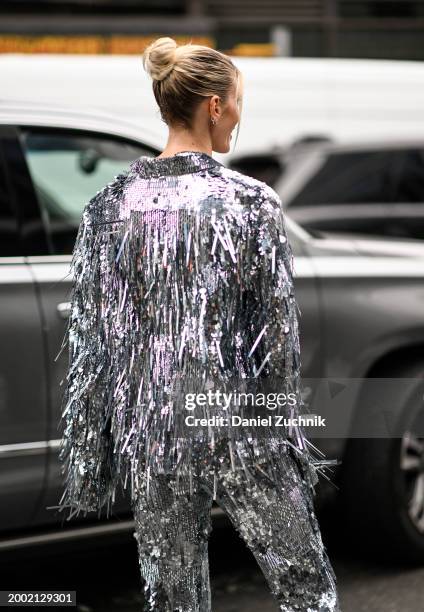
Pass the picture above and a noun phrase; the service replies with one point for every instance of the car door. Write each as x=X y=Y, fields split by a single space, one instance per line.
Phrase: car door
x=306 y=291
x=24 y=421
x=67 y=167
x=311 y=336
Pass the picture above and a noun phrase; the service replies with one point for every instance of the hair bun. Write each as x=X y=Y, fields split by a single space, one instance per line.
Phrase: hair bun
x=159 y=57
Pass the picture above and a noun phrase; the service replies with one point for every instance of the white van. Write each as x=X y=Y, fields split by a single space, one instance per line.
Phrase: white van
x=285 y=98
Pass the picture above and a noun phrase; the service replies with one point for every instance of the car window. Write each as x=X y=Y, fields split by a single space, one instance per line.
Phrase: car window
x=410 y=187
x=368 y=177
x=10 y=245
x=68 y=168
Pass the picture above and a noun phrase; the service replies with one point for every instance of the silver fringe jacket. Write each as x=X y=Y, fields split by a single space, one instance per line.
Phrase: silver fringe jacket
x=182 y=280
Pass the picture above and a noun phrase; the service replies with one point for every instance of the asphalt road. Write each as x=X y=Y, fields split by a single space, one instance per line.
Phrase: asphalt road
x=106 y=579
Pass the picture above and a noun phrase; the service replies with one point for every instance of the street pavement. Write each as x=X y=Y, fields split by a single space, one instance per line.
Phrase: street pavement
x=106 y=579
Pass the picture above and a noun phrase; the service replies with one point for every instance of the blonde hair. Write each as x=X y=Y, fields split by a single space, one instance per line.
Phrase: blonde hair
x=184 y=75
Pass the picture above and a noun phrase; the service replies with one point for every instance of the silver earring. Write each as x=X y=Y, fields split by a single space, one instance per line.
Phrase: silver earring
x=213 y=120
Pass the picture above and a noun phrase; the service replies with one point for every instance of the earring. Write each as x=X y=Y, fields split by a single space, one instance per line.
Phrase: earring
x=213 y=121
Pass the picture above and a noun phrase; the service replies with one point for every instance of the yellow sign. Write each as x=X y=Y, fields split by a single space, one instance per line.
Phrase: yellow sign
x=116 y=45
x=108 y=44
x=253 y=50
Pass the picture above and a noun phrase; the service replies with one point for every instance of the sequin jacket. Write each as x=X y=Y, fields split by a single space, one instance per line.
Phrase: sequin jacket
x=182 y=275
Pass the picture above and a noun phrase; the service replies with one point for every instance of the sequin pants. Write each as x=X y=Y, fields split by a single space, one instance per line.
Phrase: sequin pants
x=276 y=520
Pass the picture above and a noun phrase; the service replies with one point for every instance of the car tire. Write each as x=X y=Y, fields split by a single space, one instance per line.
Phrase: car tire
x=382 y=479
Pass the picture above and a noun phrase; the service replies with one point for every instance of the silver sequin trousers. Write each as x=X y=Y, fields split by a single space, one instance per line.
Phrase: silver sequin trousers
x=275 y=518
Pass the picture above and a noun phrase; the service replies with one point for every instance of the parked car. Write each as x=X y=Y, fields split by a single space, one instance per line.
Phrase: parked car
x=374 y=188
x=361 y=302
x=52 y=161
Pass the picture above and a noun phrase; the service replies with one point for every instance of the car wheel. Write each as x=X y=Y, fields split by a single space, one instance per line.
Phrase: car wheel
x=382 y=479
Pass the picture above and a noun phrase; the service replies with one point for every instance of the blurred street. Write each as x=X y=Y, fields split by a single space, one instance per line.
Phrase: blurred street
x=107 y=577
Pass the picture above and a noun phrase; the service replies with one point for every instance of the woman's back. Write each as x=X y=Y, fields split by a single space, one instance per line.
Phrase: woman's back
x=184 y=350
x=183 y=286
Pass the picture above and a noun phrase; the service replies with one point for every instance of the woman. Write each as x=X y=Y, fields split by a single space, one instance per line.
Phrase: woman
x=183 y=291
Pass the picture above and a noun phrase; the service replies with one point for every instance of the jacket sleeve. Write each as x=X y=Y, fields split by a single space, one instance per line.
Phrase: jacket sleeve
x=275 y=321
x=85 y=443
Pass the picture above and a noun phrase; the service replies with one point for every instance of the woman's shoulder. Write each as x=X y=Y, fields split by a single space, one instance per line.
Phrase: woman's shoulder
x=99 y=207
x=251 y=185
x=255 y=193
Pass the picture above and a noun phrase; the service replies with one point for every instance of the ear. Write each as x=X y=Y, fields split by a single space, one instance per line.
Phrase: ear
x=214 y=105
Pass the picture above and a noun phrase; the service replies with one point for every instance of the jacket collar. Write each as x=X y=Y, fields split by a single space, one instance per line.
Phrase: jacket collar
x=183 y=162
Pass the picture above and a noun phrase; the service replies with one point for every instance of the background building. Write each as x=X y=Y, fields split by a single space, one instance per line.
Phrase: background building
x=309 y=28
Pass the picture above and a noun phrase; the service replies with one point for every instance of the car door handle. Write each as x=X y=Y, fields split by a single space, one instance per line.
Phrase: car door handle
x=64 y=309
